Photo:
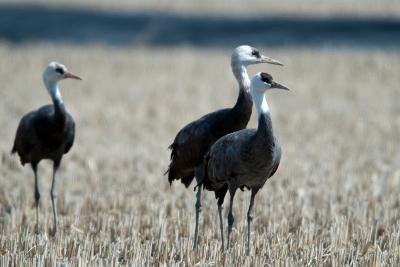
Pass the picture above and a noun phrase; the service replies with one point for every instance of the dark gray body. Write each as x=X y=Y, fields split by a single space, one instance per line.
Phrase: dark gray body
x=47 y=133
x=243 y=159
x=194 y=140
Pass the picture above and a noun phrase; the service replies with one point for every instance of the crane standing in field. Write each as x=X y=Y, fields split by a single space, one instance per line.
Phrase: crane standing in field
x=46 y=133
x=246 y=158
x=193 y=141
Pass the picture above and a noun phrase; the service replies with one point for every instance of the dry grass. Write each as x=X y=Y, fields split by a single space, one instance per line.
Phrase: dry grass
x=334 y=201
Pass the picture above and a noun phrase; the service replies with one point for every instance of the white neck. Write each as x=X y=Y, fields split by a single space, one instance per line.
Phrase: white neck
x=260 y=102
x=240 y=72
x=54 y=92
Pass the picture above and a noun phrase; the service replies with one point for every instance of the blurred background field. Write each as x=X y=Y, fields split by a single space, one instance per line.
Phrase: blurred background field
x=151 y=67
x=236 y=7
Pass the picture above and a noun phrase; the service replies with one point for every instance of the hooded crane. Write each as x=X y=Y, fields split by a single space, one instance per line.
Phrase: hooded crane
x=193 y=141
x=46 y=133
x=246 y=158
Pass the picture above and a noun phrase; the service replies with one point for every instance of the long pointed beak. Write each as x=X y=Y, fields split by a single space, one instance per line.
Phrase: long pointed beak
x=269 y=60
x=68 y=74
x=279 y=86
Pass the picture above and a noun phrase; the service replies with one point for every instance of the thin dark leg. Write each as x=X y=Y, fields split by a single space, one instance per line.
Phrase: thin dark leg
x=198 y=210
x=231 y=219
x=250 y=217
x=221 y=224
x=54 y=196
x=220 y=195
x=37 y=196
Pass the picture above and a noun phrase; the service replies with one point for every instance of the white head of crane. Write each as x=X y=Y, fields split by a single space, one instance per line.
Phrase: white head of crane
x=260 y=83
x=245 y=55
x=53 y=73
x=56 y=71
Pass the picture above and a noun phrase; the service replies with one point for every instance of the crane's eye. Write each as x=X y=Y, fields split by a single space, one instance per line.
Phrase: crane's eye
x=255 y=53
x=60 y=70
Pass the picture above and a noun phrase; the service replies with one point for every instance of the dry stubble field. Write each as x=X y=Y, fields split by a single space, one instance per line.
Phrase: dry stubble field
x=334 y=201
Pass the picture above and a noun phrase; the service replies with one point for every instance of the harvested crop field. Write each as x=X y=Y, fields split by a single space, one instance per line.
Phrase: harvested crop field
x=334 y=201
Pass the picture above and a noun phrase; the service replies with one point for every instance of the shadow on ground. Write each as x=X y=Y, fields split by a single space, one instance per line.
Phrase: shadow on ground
x=27 y=23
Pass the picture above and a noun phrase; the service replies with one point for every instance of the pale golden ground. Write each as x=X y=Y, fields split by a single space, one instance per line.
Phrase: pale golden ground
x=334 y=201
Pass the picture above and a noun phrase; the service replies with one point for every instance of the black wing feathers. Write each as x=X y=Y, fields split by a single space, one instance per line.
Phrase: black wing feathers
x=42 y=134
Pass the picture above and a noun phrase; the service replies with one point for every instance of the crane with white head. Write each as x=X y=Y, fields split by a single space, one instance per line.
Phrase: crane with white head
x=47 y=133
x=246 y=158
x=193 y=141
